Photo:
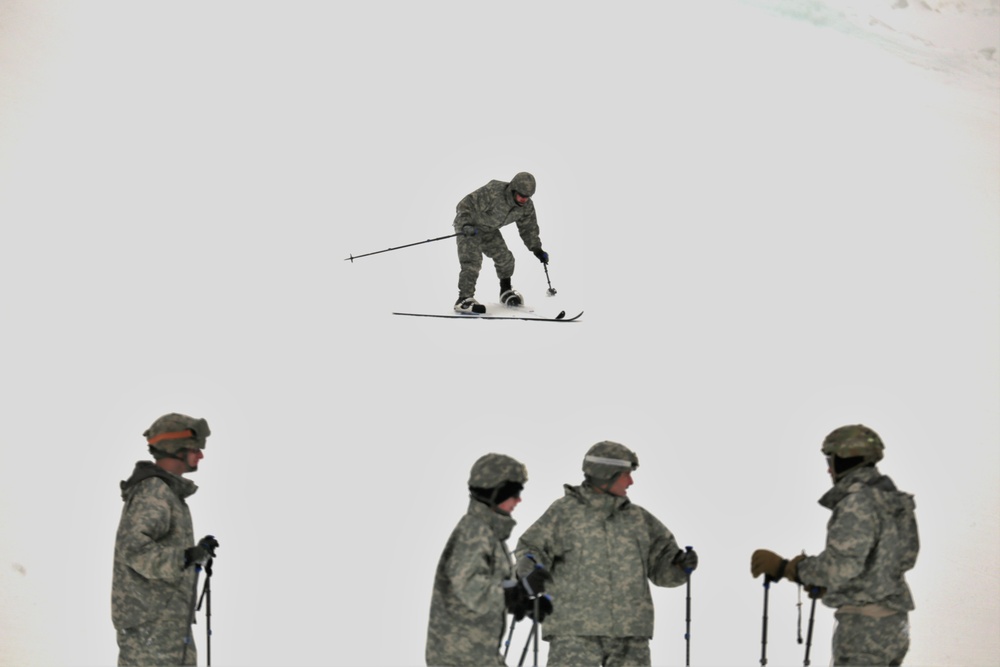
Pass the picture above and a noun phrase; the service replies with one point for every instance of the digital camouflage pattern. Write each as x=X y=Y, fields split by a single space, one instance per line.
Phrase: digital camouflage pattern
x=854 y=440
x=492 y=470
x=606 y=651
x=863 y=640
x=468 y=615
x=152 y=593
x=488 y=209
x=606 y=460
x=602 y=551
x=871 y=543
x=174 y=432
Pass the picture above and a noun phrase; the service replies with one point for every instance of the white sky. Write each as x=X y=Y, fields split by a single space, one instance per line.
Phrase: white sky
x=776 y=226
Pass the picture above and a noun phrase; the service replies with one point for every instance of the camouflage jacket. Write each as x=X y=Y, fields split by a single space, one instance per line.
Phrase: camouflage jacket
x=602 y=552
x=871 y=542
x=492 y=206
x=468 y=615
x=149 y=581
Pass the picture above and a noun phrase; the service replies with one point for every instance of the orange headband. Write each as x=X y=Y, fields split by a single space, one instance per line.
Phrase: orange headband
x=173 y=435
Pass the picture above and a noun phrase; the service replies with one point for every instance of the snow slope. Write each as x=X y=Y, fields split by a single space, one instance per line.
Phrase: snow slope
x=779 y=217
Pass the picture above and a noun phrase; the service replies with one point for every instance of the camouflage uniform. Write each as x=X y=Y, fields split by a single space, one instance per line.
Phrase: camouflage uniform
x=488 y=209
x=467 y=614
x=871 y=543
x=152 y=593
x=602 y=551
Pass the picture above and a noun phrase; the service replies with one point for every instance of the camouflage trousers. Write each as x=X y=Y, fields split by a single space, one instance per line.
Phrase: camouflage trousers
x=605 y=651
x=159 y=643
x=863 y=640
x=470 y=258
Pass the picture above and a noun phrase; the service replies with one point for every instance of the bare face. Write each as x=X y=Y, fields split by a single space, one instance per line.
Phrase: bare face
x=191 y=458
x=509 y=504
x=620 y=486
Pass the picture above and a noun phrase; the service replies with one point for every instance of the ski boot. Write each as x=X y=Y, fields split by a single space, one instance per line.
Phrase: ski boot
x=509 y=296
x=467 y=304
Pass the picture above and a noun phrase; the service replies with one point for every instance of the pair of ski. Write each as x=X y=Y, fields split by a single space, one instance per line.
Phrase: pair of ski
x=561 y=317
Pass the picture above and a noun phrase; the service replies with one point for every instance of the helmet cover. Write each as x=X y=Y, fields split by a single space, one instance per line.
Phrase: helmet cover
x=173 y=433
x=607 y=459
x=492 y=470
x=523 y=183
x=854 y=440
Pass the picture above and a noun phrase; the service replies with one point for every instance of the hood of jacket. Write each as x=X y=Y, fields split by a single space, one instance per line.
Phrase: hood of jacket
x=146 y=469
x=854 y=481
x=602 y=503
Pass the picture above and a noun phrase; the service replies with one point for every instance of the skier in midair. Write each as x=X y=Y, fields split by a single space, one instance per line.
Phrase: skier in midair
x=871 y=542
x=479 y=217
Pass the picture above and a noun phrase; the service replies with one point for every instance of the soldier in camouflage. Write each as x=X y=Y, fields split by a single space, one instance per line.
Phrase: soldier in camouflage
x=871 y=543
x=467 y=615
x=602 y=551
x=154 y=578
x=479 y=217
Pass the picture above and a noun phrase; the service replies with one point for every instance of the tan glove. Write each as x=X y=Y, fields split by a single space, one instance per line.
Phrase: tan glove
x=767 y=562
x=792 y=569
x=774 y=566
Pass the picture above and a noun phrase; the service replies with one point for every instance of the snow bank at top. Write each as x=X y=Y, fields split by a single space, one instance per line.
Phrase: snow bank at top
x=960 y=37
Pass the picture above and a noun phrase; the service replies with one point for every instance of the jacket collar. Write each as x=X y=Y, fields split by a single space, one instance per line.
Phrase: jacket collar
x=500 y=522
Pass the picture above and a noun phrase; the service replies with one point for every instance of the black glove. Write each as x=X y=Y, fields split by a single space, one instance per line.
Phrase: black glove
x=201 y=553
x=542 y=256
x=469 y=230
x=687 y=560
x=531 y=588
x=520 y=605
x=544 y=608
x=514 y=598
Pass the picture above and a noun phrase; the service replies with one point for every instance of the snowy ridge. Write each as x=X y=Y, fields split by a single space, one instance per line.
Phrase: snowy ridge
x=960 y=37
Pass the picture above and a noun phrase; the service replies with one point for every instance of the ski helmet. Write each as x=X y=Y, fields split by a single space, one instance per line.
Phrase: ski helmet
x=492 y=470
x=523 y=183
x=854 y=441
x=606 y=460
x=174 y=432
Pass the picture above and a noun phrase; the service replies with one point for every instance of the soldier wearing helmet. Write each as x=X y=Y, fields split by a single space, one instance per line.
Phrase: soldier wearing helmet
x=467 y=615
x=155 y=553
x=602 y=552
x=871 y=543
x=478 y=219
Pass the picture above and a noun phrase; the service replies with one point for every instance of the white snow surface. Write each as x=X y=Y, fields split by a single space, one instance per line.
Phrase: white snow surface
x=780 y=217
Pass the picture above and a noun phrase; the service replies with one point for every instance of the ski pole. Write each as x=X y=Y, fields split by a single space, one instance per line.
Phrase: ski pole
x=532 y=638
x=763 y=637
x=687 y=618
x=534 y=624
x=440 y=238
x=206 y=596
x=552 y=290
x=534 y=631
x=524 y=652
x=809 y=633
x=510 y=636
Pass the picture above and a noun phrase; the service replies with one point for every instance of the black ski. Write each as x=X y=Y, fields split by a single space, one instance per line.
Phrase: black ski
x=561 y=317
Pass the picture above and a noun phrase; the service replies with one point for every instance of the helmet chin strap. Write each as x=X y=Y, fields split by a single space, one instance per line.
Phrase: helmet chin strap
x=182 y=457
